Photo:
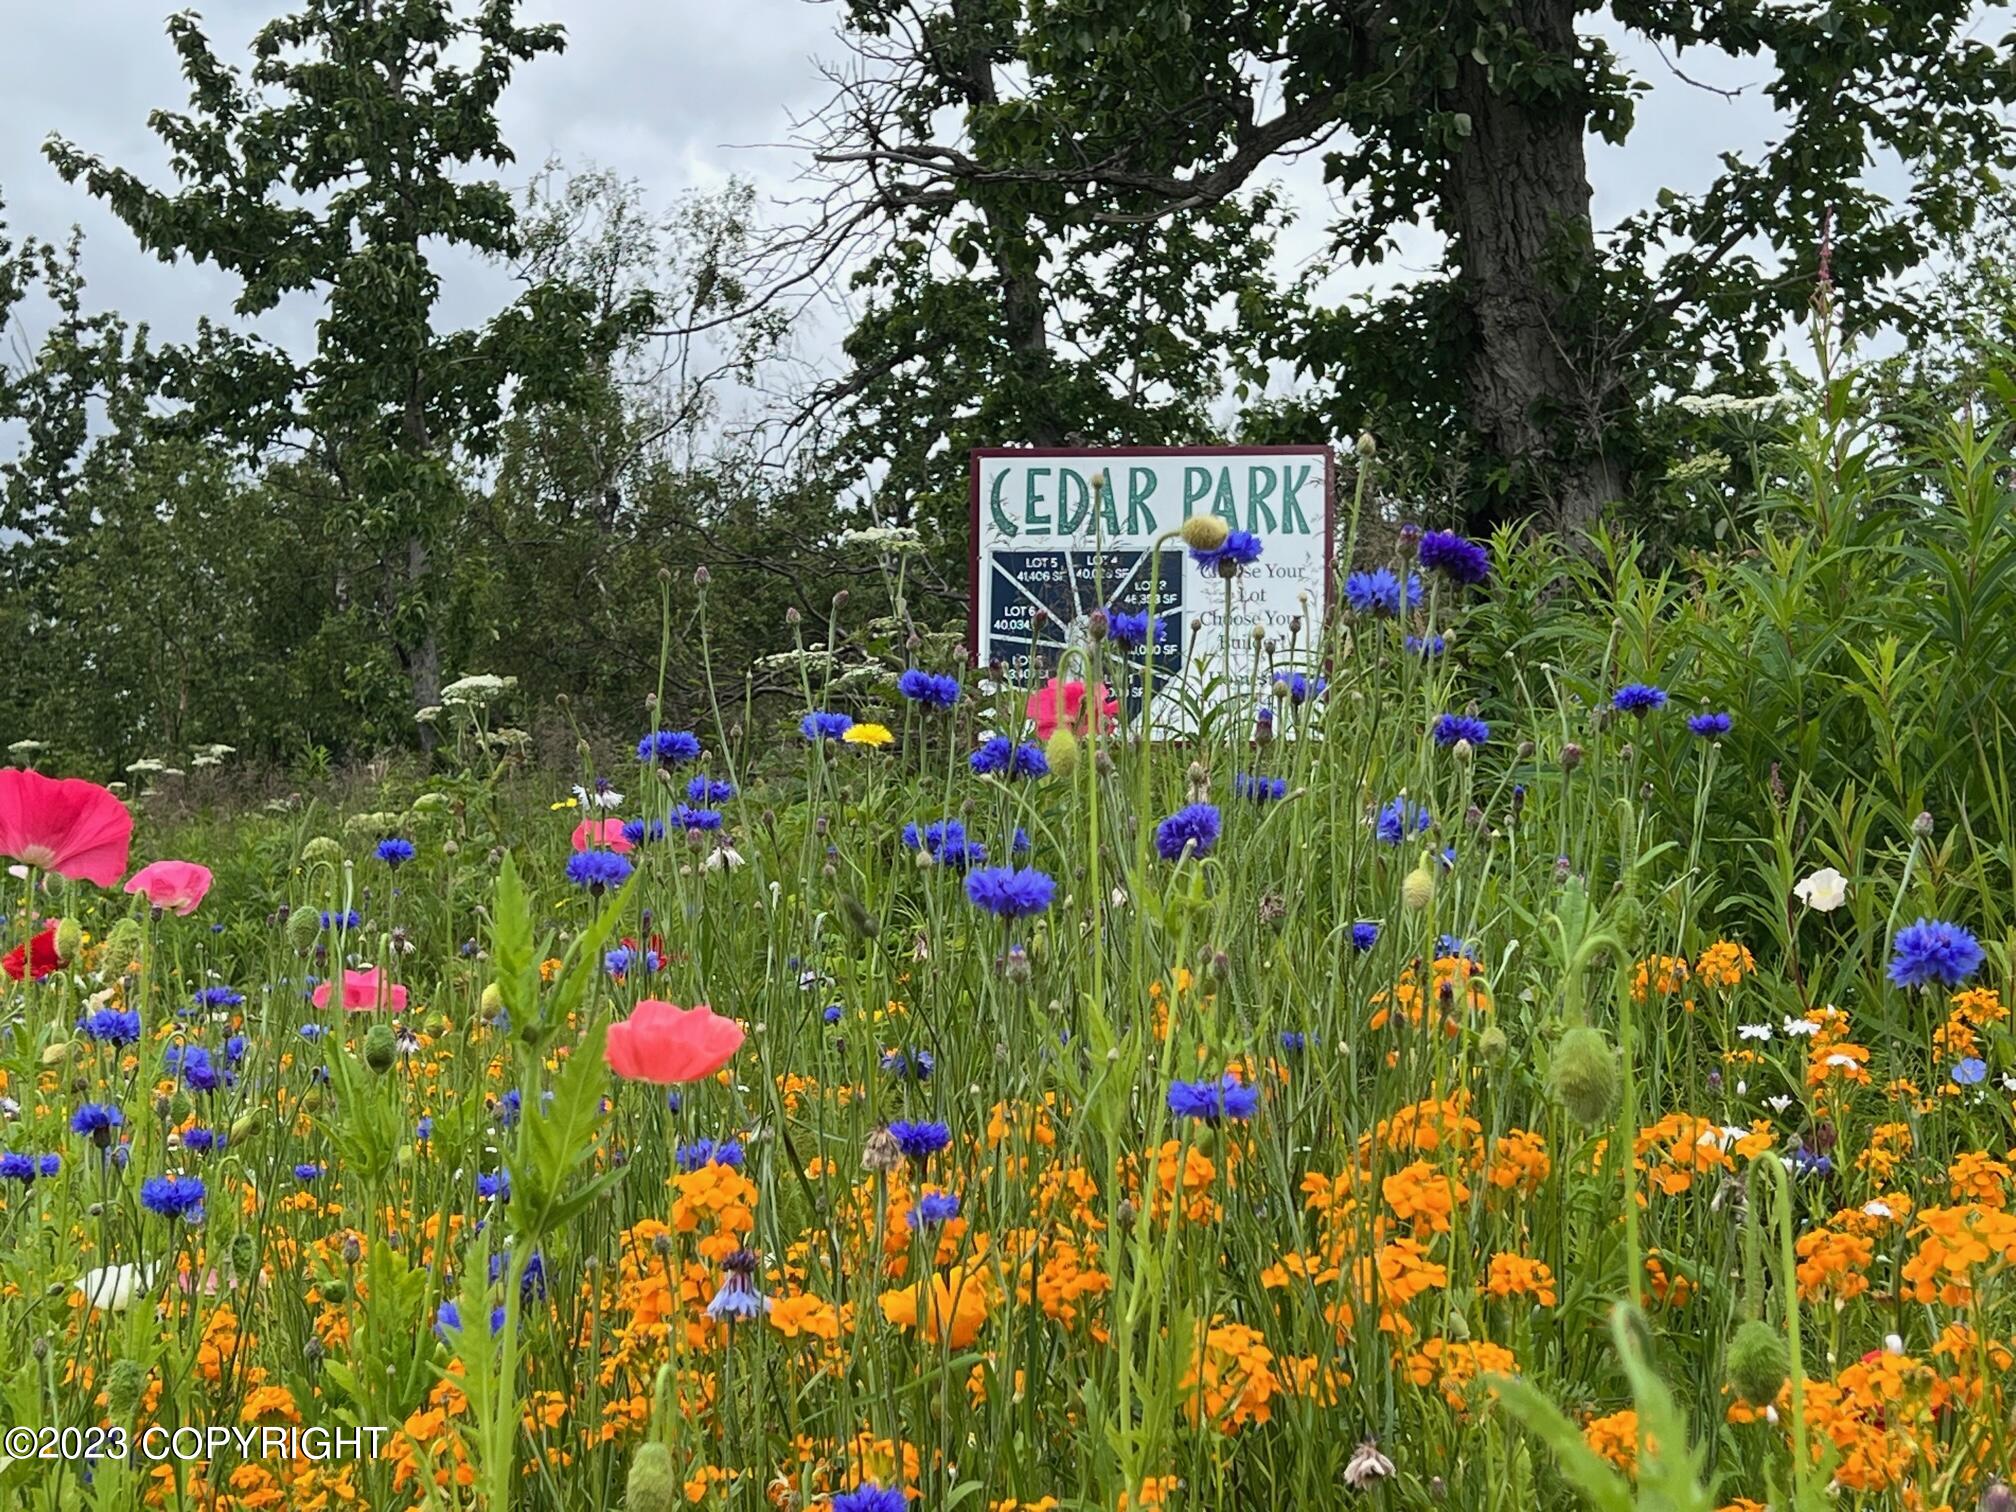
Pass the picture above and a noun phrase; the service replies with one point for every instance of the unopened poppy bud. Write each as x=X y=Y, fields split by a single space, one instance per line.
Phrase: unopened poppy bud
x=247 y=1125
x=1758 y=1363
x=493 y=1000
x=1492 y=1044
x=381 y=1050
x=653 y=1483
x=1365 y=445
x=1583 y=1077
x=125 y=1382
x=1417 y=891
x=69 y=935
x=1205 y=532
x=1061 y=751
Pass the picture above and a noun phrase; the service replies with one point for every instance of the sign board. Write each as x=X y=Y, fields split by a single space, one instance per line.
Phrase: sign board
x=1048 y=548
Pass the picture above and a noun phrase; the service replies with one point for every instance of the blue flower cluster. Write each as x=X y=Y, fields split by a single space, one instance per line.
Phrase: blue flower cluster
x=598 y=870
x=945 y=842
x=934 y=690
x=395 y=851
x=1131 y=632
x=920 y=1141
x=1451 y=728
x=669 y=747
x=1010 y=892
x=1260 y=789
x=174 y=1197
x=1192 y=831
x=1933 y=950
x=823 y=724
x=1208 y=1102
x=1241 y=549
x=1456 y=559
x=1381 y=592
x=1399 y=819
x=999 y=756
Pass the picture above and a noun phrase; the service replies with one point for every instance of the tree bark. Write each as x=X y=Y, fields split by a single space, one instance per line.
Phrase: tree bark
x=1517 y=199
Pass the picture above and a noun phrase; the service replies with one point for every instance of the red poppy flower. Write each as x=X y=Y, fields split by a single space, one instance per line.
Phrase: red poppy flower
x=665 y=1044
x=37 y=958
x=1044 y=710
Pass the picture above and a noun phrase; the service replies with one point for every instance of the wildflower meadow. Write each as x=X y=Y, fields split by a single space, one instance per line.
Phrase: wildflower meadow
x=1544 y=1040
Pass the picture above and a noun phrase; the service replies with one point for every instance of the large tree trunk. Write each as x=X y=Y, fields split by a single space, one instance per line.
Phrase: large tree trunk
x=1517 y=199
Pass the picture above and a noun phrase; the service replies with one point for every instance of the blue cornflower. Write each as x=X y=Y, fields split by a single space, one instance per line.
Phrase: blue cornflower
x=738 y=1299
x=174 y=1197
x=945 y=842
x=494 y=1187
x=911 y=1065
x=1260 y=789
x=1451 y=728
x=869 y=1497
x=219 y=997
x=199 y=1073
x=395 y=852
x=1808 y=1162
x=200 y=1141
x=932 y=689
x=1971 y=1071
x=617 y=962
x=637 y=832
x=1381 y=592
x=307 y=1171
x=341 y=920
x=669 y=747
x=1449 y=945
x=709 y=790
x=934 y=1208
x=111 y=1026
x=97 y=1121
x=312 y=1032
x=1211 y=1101
x=1302 y=688
x=832 y=1013
x=25 y=1168
x=1241 y=549
x=998 y=755
x=1009 y=892
x=423 y=1130
x=706 y=1152
x=508 y=1109
x=234 y=1049
x=1294 y=1041
x=1364 y=935
x=1708 y=725
x=1459 y=560
x=1130 y=632
x=703 y=819
x=920 y=1140
x=1638 y=698
x=1189 y=831
x=1932 y=950
x=1415 y=645
x=597 y=870
x=822 y=724
x=1399 y=819
x=1019 y=844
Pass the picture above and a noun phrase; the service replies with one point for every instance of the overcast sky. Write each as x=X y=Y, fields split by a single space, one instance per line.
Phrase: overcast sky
x=673 y=93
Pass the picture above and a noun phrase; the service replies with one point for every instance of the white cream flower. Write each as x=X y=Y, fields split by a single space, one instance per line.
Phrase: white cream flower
x=1824 y=891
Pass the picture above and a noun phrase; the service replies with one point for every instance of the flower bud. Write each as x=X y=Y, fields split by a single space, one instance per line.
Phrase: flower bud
x=1492 y=1044
x=1922 y=825
x=1758 y=1363
x=380 y=1048
x=1061 y=751
x=125 y=1383
x=1417 y=891
x=69 y=935
x=1584 y=1077
x=1571 y=756
x=1205 y=532
x=653 y=1485
x=303 y=925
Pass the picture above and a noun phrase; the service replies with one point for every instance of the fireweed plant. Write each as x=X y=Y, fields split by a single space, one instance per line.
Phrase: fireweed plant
x=1483 y=1065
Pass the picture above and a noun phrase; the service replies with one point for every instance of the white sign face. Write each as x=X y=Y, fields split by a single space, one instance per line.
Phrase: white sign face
x=1057 y=534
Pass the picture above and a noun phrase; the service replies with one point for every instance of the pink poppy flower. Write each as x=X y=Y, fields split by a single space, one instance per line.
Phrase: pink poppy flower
x=71 y=827
x=600 y=834
x=666 y=1044
x=1043 y=708
x=364 y=991
x=179 y=885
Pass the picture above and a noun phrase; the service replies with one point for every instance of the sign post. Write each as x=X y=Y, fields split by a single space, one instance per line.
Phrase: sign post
x=1057 y=534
